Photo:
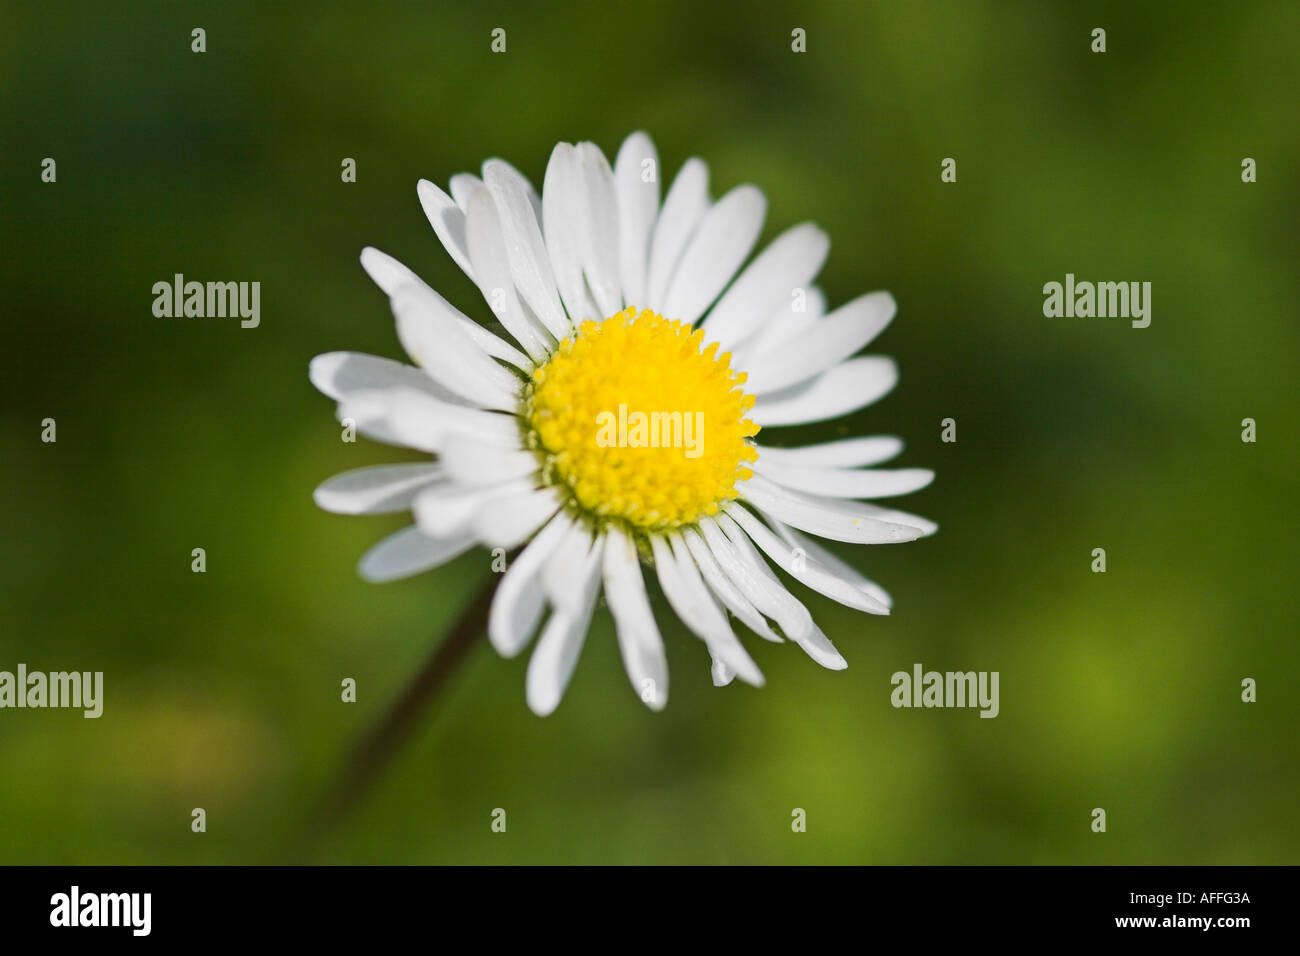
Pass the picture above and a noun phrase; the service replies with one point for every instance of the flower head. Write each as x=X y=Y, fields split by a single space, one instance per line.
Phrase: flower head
x=613 y=426
x=641 y=361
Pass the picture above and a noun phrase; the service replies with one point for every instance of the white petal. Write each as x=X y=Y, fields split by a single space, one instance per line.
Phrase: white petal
x=409 y=552
x=722 y=674
x=716 y=250
x=382 y=489
x=837 y=520
x=446 y=510
x=923 y=525
x=794 y=319
x=830 y=341
x=462 y=186
x=517 y=604
x=557 y=578
x=721 y=585
x=788 y=264
x=810 y=638
x=600 y=237
x=385 y=271
x=448 y=221
x=468 y=461
x=819 y=647
x=509 y=522
x=372 y=422
x=638 y=206
x=416 y=419
x=428 y=330
x=688 y=596
x=837 y=391
x=815 y=553
x=487 y=253
x=684 y=207
x=847 y=483
x=551 y=666
x=424 y=422
x=638 y=636
x=846 y=453
x=756 y=582
x=339 y=374
x=802 y=569
x=389 y=275
x=562 y=211
x=534 y=199
x=530 y=264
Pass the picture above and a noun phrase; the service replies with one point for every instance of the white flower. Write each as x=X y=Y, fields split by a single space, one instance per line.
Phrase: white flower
x=614 y=302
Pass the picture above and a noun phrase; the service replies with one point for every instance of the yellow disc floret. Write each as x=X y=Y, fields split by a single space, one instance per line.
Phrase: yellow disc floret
x=640 y=423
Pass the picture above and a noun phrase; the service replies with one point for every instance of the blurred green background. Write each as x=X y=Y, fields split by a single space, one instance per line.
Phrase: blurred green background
x=1119 y=690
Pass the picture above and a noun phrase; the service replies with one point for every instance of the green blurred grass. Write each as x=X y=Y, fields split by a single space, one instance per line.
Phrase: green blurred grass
x=1118 y=691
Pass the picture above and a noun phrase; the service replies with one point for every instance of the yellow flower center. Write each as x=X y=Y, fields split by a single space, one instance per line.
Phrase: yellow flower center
x=640 y=423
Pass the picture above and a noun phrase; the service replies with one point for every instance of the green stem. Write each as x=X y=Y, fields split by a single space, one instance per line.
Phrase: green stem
x=377 y=748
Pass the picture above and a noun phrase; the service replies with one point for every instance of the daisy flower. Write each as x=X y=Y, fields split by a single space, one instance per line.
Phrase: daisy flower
x=619 y=313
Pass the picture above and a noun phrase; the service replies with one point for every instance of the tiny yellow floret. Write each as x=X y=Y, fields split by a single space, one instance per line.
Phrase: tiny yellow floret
x=640 y=423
